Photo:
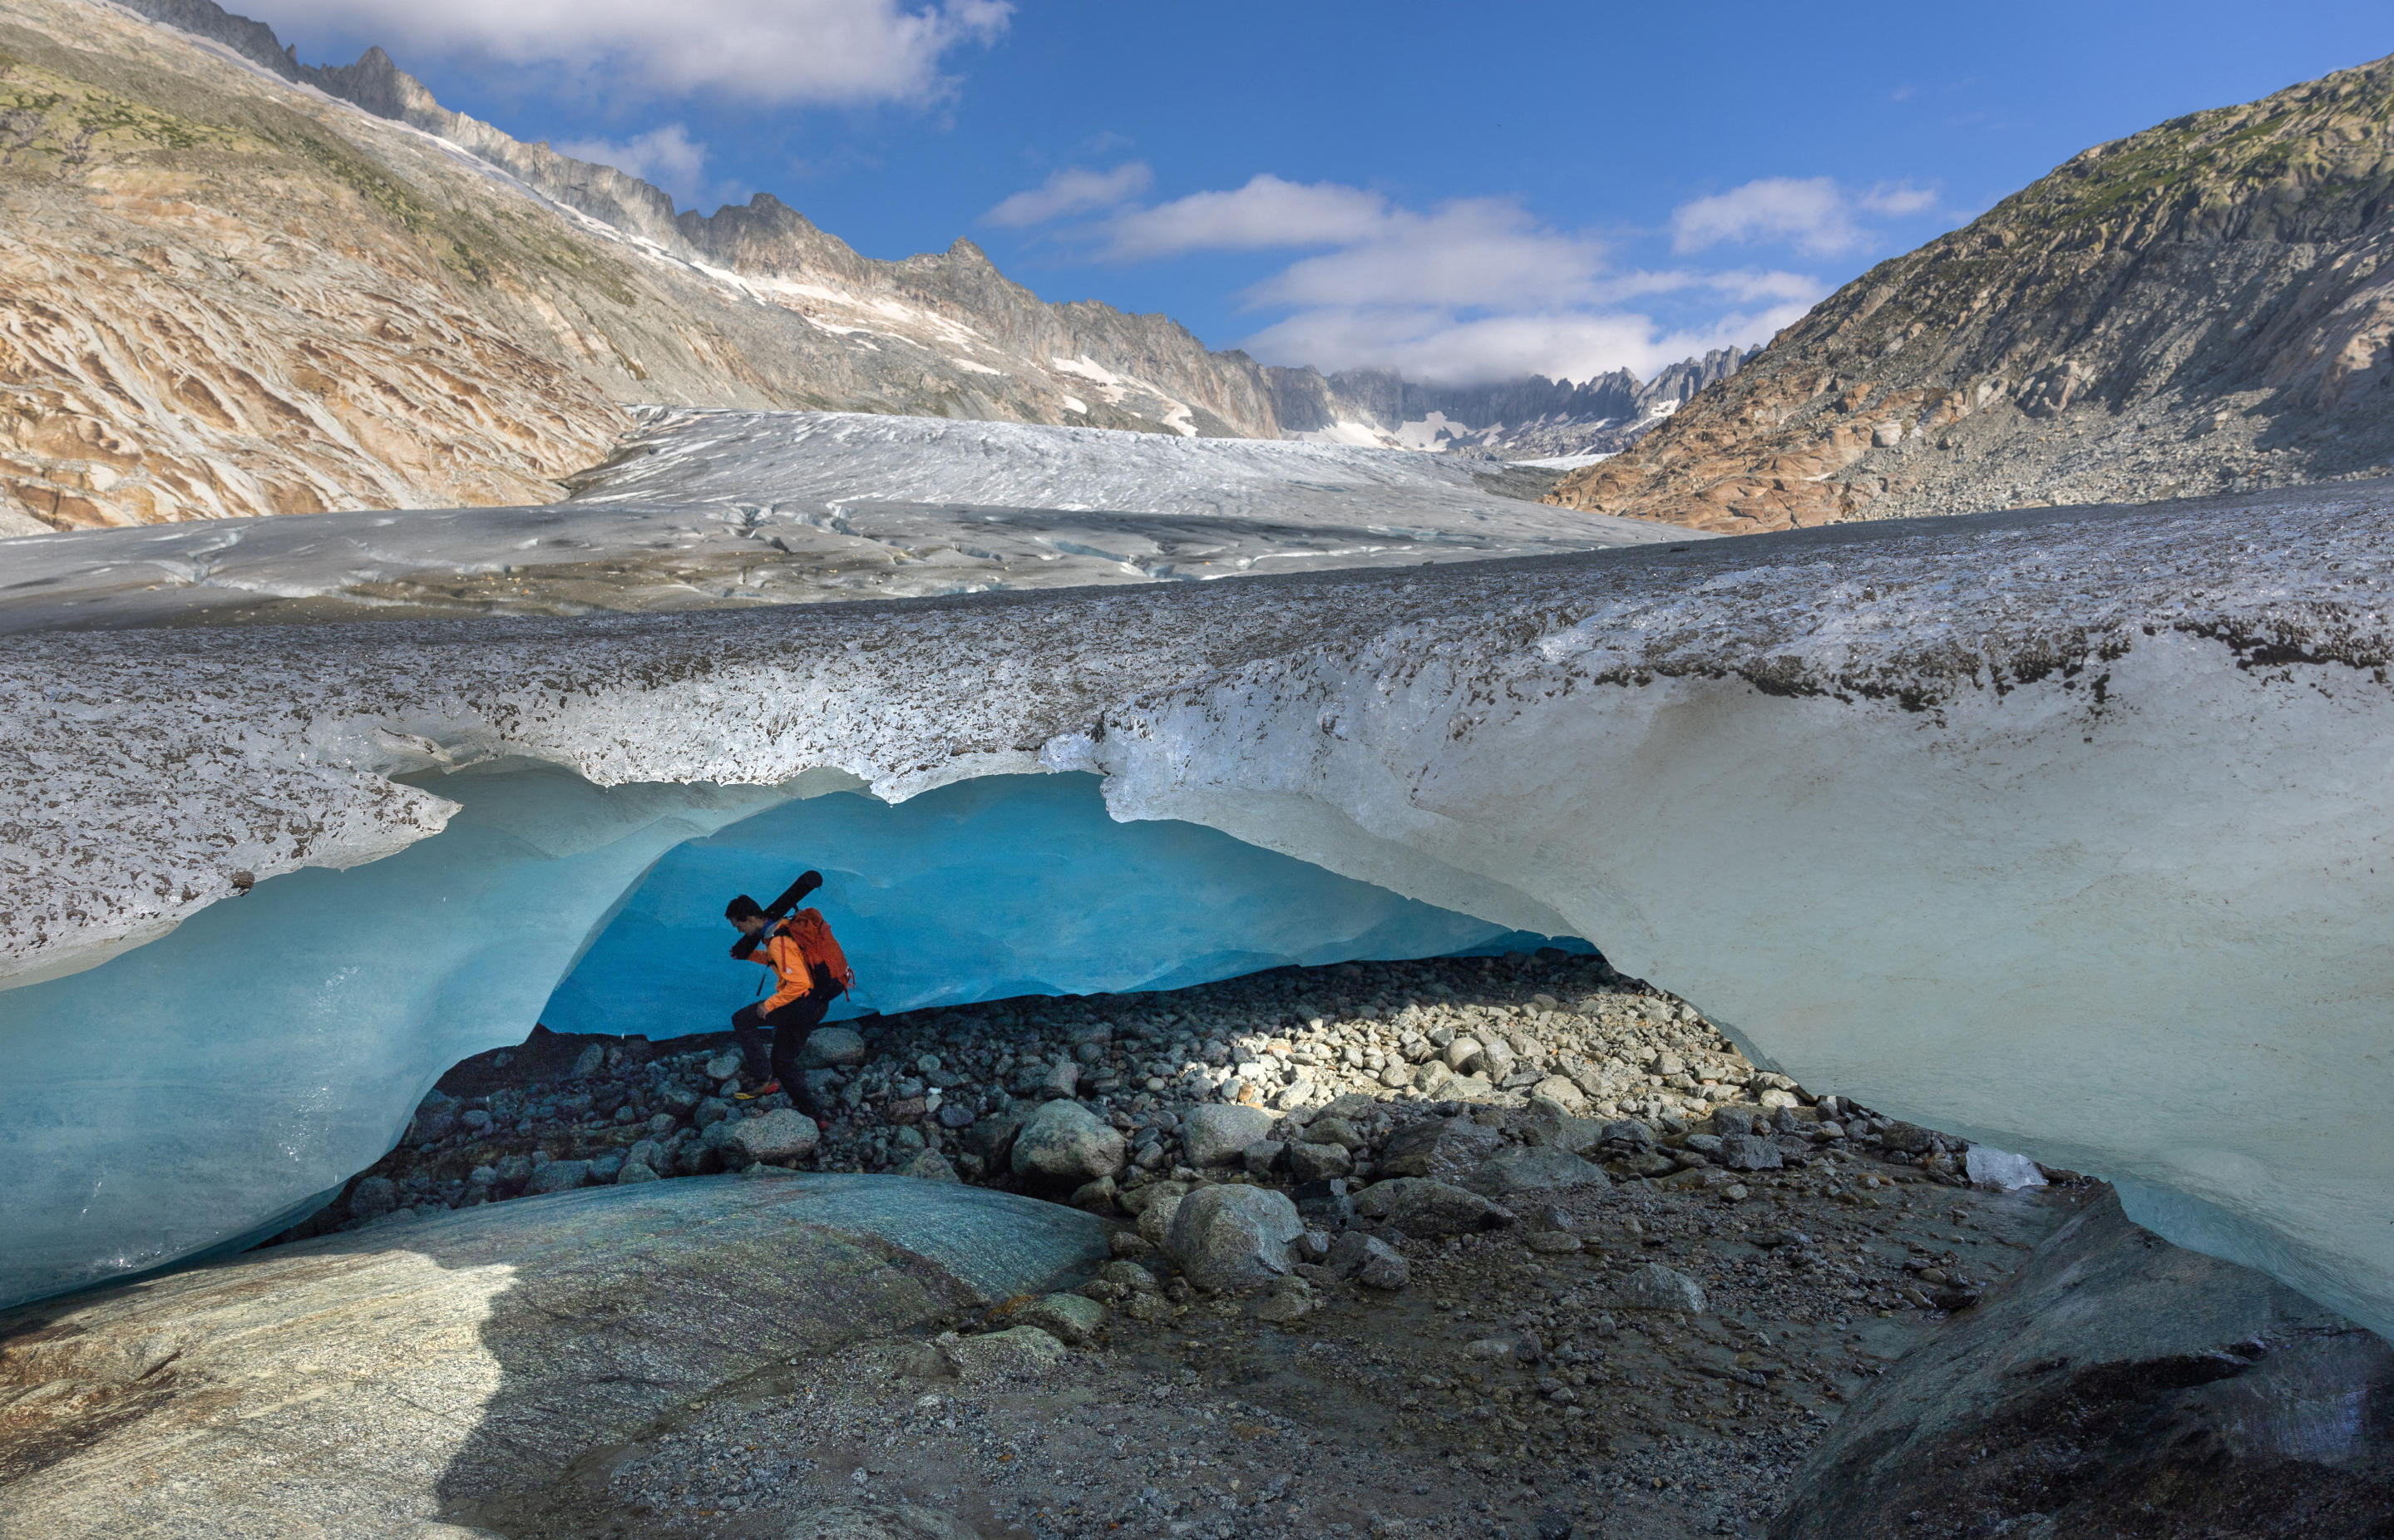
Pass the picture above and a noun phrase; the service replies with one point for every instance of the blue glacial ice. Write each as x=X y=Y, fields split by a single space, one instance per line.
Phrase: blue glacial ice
x=1002 y=886
x=217 y=1083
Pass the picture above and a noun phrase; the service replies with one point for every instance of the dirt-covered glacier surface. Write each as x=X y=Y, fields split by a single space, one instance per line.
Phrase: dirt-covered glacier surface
x=724 y=510
x=2062 y=830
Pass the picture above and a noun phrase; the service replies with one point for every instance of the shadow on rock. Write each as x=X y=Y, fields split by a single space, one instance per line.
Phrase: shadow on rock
x=2119 y=1385
x=405 y=1381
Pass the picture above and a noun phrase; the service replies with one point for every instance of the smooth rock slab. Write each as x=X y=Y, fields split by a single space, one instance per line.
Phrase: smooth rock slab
x=360 y=1386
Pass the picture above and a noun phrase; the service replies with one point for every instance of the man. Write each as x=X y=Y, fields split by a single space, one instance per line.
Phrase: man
x=812 y=973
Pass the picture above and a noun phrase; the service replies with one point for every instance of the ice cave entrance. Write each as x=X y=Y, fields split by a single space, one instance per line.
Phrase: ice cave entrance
x=223 y=1081
x=986 y=890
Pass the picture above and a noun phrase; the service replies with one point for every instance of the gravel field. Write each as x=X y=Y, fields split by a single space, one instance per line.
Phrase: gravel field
x=1511 y=1246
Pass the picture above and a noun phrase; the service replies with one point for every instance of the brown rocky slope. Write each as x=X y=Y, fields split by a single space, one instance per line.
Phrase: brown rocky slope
x=227 y=292
x=2206 y=306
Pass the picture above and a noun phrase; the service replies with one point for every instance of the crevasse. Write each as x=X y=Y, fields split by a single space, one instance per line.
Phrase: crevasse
x=2065 y=830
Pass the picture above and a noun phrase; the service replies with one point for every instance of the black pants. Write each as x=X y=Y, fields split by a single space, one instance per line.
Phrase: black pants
x=791 y=1025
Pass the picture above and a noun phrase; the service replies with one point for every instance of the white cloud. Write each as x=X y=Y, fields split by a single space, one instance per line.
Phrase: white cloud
x=1815 y=215
x=1438 y=346
x=1472 y=290
x=1476 y=252
x=1073 y=191
x=668 y=156
x=837 y=52
x=1266 y=214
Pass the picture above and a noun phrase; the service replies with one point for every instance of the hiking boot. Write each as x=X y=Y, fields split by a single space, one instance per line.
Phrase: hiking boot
x=766 y=1089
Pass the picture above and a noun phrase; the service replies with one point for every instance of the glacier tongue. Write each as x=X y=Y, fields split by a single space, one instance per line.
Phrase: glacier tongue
x=2059 y=830
x=719 y=508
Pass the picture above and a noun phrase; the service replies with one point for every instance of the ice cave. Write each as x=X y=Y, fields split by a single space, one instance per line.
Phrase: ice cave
x=279 y=1042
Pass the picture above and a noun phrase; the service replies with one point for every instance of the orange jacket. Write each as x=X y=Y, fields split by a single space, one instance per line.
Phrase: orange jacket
x=794 y=949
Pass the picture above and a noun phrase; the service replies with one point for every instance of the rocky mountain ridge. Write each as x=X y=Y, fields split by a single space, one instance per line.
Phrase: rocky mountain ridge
x=2206 y=306
x=1517 y=419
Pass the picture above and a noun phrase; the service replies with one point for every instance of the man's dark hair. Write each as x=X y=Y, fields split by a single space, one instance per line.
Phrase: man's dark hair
x=744 y=908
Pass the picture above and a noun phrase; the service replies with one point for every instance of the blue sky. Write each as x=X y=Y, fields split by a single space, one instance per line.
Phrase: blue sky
x=1461 y=192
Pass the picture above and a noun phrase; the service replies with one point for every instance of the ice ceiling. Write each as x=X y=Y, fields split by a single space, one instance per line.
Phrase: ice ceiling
x=2067 y=831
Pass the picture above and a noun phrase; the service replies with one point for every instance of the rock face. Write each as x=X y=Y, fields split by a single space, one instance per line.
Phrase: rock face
x=362 y=1384
x=2114 y=1381
x=2203 y=306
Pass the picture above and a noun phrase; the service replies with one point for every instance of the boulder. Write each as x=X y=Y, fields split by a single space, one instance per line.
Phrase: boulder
x=1065 y=1144
x=782 y=1135
x=1533 y=1168
x=1567 y=1097
x=1988 y=1166
x=1656 y=1287
x=927 y=1166
x=1749 y=1153
x=1434 y=1079
x=1233 y=1237
x=1155 y=1214
x=1438 y=1147
x=833 y=1047
x=991 y=1139
x=1427 y=1209
x=1314 y=1163
x=1216 y=1134
x=1072 y=1319
x=1327 y=1129
x=558 y=1177
x=1016 y=1353
x=1369 y=1261
x=1548 y=1123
